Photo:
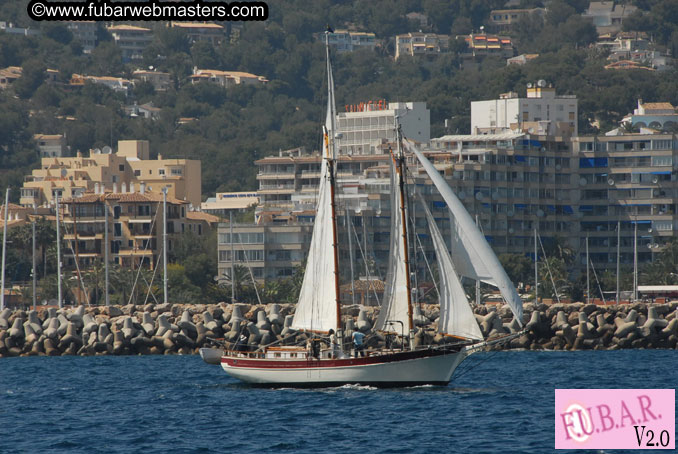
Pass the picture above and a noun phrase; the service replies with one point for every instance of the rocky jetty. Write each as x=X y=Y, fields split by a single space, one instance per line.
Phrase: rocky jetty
x=183 y=329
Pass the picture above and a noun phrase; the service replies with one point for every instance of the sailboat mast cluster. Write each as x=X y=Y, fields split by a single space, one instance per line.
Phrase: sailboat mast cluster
x=318 y=308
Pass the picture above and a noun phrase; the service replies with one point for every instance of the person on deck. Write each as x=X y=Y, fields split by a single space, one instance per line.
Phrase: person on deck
x=334 y=344
x=358 y=343
x=243 y=337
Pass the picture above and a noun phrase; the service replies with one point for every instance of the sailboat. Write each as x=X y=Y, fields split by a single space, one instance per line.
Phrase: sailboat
x=319 y=306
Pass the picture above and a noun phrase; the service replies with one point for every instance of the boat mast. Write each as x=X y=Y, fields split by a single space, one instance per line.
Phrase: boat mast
x=58 y=241
x=75 y=235
x=35 y=301
x=106 y=246
x=536 y=269
x=400 y=161
x=4 y=250
x=588 y=284
x=230 y=224
x=635 y=261
x=331 y=157
x=164 y=243
x=618 y=243
x=349 y=225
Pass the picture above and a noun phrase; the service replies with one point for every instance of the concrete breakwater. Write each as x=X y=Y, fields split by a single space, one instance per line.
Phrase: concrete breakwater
x=183 y=329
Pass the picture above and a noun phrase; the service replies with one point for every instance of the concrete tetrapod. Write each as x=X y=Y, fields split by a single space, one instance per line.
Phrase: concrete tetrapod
x=35 y=322
x=147 y=324
x=274 y=314
x=209 y=321
x=653 y=323
x=262 y=321
x=186 y=324
x=363 y=323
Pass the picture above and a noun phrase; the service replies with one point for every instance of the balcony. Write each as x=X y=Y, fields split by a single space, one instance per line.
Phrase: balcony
x=135 y=253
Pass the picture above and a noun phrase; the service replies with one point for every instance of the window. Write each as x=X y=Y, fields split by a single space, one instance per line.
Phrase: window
x=161 y=171
x=137 y=173
x=121 y=167
x=117 y=229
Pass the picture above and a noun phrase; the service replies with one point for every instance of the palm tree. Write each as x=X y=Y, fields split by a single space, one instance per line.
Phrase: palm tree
x=241 y=278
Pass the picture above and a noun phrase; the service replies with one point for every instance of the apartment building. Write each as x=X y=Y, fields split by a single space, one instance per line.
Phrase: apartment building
x=348 y=41
x=419 y=43
x=161 y=81
x=363 y=128
x=608 y=16
x=135 y=227
x=131 y=40
x=660 y=116
x=269 y=251
x=198 y=31
x=118 y=84
x=502 y=20
x=223 y=204
x=627 y=180
x=9 y=75
x=226 y=78
x=130 y=165
x=51 y=145
x=84 y=32
x=541 y=112
x=521 y=59
x=483 y=44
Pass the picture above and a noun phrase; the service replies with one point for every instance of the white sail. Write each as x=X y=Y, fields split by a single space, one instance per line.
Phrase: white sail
x=317 y=305
x=394 y=306
x=473 y=256
x=456 y=316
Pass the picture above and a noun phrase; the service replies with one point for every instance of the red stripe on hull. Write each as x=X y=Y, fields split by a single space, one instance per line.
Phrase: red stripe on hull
x=321 y=363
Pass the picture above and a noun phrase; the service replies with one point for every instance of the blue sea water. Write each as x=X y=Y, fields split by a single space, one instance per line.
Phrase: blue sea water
x=497 y=403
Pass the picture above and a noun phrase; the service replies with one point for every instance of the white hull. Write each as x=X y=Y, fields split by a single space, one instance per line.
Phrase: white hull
x=211 y=355
x=436 y=369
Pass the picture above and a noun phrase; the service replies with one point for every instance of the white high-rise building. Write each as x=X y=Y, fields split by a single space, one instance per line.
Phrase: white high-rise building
x=365 y=126
x=542 y=112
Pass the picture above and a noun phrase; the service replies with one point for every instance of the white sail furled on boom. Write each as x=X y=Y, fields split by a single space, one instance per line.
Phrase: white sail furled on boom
x=473 y=257
x=456 y=316
x=394 y=307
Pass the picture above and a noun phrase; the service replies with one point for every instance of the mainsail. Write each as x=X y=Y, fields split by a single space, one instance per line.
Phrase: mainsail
x=456 y=316
x=394 y=307
x=473 y=257
x=318 y=299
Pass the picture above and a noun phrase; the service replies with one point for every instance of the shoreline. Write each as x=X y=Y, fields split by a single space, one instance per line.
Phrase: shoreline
x=156 y=329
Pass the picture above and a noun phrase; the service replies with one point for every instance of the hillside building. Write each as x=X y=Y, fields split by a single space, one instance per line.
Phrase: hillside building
x=226 y=78
x=130 y=165
x=84 y=32
x=198 y=31
x=348 y=41
x=419 y=43
x=131 y=40
x=51 y=145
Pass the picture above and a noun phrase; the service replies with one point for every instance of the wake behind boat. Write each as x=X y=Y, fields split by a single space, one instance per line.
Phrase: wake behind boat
x=318 y=310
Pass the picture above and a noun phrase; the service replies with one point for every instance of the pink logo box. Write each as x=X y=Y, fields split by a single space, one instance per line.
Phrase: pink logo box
x=615 y=418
